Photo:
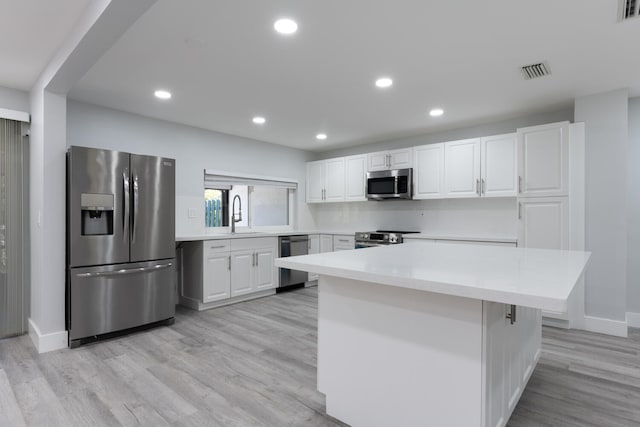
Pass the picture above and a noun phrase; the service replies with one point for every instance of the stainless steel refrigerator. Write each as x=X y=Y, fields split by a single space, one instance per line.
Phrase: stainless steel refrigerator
x=120 y=242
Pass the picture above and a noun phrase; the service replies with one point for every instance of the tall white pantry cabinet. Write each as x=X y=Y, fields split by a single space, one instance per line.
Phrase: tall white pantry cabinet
x=551 y=199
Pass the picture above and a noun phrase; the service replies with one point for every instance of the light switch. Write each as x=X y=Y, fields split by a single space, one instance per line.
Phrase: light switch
x=191 y=213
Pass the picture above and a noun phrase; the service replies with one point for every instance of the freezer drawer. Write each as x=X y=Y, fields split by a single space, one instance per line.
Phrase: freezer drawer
x=112 y=298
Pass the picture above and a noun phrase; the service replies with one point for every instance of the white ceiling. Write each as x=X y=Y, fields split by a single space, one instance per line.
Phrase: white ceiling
x=224 y=64
x=30 y=34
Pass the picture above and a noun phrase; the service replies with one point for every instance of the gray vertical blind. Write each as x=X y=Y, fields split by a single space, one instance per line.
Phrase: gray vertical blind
x=12 y=227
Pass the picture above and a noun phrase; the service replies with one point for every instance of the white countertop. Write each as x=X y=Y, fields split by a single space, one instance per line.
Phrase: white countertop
x=538 y=278
x=429 y=236
x=472 y=238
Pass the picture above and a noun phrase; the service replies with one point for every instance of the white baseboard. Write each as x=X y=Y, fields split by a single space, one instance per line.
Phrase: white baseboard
x=605 y=326
x=633 y=319
x=47 y=342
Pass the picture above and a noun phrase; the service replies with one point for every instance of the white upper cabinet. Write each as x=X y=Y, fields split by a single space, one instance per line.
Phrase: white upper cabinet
x=334 y=187
x=544 y=160
x=326 y=181
x=394 y=159
x=499 y=156
x=543 y=222
x=378 y=161
x=462 y=168
x=355 y=176
x=428 y=173
x=315 y=182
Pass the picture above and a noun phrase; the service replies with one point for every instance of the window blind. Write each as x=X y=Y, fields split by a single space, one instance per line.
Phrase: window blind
x=225 y=182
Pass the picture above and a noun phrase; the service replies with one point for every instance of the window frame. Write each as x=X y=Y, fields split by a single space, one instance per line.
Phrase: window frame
x=251 y=181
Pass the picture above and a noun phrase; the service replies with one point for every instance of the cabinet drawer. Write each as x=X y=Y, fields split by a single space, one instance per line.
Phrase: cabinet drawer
x=215 y=246
x=343 y=242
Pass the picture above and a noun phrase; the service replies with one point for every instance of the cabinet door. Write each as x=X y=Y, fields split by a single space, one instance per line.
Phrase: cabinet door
x=264 y=270
x=495 y=350
x=241 y=273
x=217 y=277
x=499 y=162
x=378 y=161
x=355 y=176
x=326 y=243
x=315 y=182
x=543 y=222
x=401 y=159
x=314 y=248
x=429 y=171
x=334 y=178
x=462 y=168
x=543 y=160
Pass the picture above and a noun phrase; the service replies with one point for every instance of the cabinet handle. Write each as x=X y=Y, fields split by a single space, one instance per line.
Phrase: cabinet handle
x=343 y=240
x=478 y=186
x=511 y=314
x=484 y=190
x=229 y=263
x=519 y=210
x=216 y=247
x=519 y=184
x=257 y=262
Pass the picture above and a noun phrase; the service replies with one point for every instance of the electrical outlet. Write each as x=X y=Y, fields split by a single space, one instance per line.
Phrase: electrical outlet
x=191 y=213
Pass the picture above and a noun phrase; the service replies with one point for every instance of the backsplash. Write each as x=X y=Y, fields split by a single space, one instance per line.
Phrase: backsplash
x=474 y=217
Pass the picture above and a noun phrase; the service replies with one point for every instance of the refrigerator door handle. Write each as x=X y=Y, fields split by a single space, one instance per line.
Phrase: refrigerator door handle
x=135 y=208
x=125 y=219
x=126 y=271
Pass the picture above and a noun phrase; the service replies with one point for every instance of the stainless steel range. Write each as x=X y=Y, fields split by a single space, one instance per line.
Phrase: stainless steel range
x=368 y=239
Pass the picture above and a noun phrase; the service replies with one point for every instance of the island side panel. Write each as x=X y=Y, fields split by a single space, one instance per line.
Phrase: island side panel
x=396 y=356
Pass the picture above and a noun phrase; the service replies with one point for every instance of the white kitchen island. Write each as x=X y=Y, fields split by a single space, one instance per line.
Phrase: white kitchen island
x=429 y=334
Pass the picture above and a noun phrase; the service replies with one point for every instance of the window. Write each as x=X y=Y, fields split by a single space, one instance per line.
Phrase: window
x=263 y=203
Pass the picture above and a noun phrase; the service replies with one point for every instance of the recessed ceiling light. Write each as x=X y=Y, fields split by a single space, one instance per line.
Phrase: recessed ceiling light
x=436 y=112
x=259 y=120
x=285 y=26
x=162 y=94
x=384 y=82
x=321 y=136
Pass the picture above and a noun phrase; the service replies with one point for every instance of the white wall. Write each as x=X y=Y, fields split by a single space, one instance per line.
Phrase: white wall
x=606 y=138
x=194 y=150
x=633 y=216
x=466 y=217
x=13 y=99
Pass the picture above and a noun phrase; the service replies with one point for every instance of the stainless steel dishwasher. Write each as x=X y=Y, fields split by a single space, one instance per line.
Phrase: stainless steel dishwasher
x=292 y=246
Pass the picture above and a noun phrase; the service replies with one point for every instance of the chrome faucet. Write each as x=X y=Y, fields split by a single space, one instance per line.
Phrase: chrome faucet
x=233 y=212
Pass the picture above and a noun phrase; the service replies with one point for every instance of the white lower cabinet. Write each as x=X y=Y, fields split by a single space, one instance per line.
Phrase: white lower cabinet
x=242 y=273
x=343 y=242
x=314 y=248
x=216 y=276
x=216 y=272
x=264 y=269
x=511 y=351
x=326 y=243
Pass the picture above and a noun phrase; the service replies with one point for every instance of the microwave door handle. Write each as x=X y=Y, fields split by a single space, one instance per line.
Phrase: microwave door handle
x=395 y=185
x=125 y=215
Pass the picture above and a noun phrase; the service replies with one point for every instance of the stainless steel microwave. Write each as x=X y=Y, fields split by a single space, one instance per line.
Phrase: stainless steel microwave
x=390 y=184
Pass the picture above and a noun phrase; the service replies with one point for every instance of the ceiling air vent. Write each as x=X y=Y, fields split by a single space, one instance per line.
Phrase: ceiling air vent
x=535 y=70
x=628 y=9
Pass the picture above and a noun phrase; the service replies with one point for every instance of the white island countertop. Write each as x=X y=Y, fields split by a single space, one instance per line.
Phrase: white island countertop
x=538 y=278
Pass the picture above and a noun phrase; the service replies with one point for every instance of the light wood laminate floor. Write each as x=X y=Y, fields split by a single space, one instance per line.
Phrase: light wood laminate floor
x=253 y=364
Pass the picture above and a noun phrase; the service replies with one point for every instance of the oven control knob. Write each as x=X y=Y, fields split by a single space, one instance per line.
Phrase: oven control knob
x=366 y=236
x=393 y=238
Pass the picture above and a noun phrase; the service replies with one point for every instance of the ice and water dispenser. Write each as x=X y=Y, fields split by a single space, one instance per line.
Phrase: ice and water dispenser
x=97 y=214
